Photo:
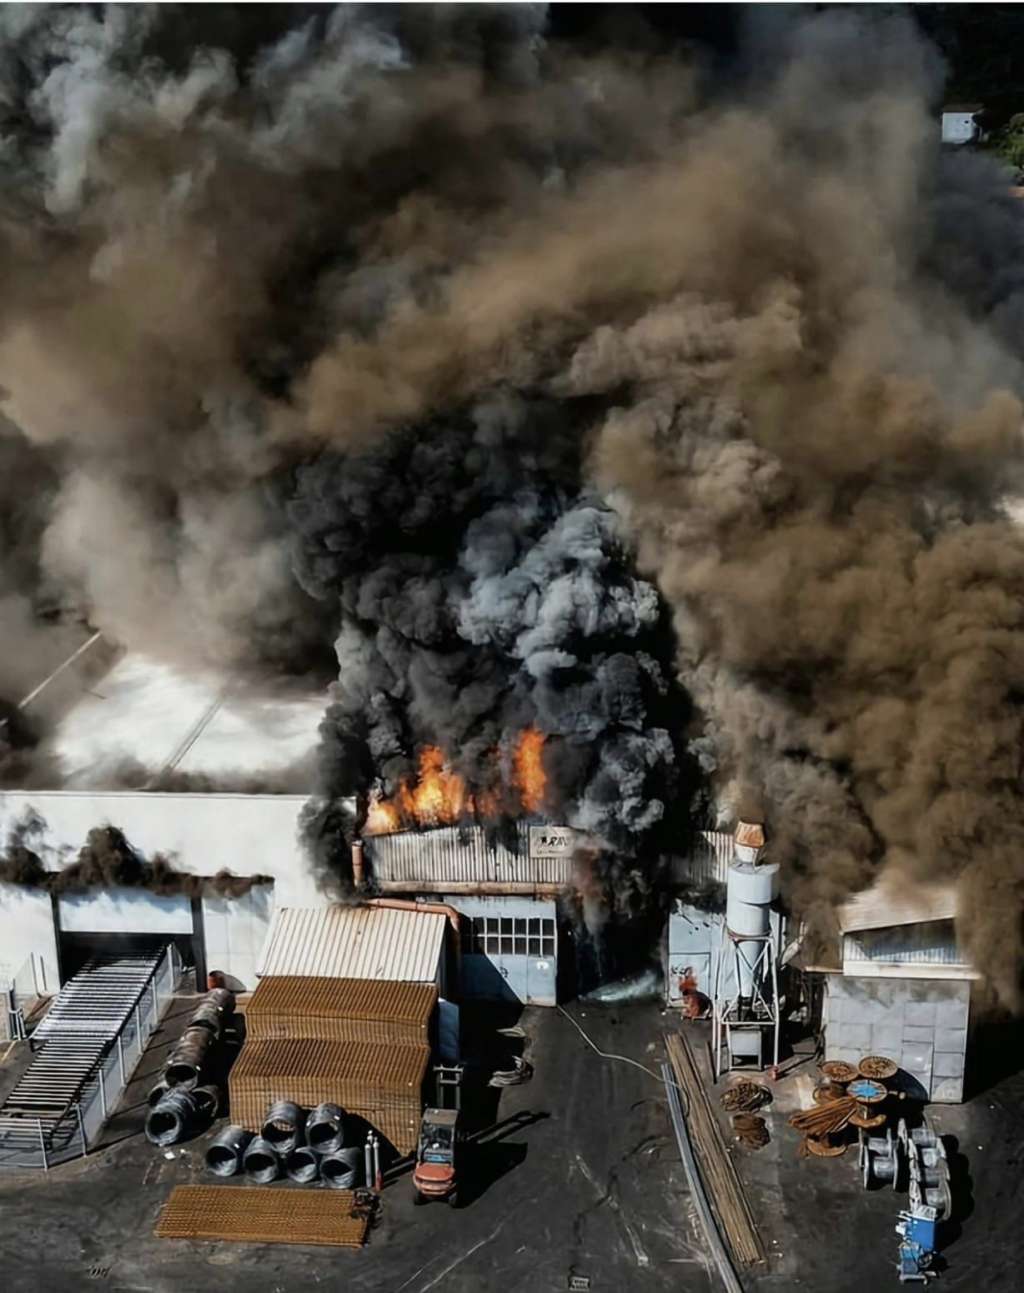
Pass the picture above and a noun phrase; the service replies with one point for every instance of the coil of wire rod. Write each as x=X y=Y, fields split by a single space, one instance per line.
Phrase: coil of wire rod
x=283 y=1126
x=341 y=1170
x=226 y=1150
x=260 y=1161
x=325 y=1128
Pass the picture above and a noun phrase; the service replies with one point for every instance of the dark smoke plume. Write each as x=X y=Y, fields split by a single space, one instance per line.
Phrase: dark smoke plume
x=453 y=321
x=108 y=860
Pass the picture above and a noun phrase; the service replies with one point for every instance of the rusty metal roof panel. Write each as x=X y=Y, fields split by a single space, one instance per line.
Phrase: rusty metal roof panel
x=454 y=855
x=354 y=942
x=884 y=906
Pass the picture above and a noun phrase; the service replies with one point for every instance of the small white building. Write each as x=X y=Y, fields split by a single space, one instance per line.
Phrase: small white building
x=904 y=989
x=960 y=123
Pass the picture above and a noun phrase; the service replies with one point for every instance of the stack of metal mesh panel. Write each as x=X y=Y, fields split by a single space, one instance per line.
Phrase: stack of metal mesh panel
x=341 y=1010
x=381 y=1083
x=358 y=1043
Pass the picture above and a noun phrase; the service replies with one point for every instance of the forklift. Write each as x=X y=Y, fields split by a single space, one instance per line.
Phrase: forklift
x=435 y=1174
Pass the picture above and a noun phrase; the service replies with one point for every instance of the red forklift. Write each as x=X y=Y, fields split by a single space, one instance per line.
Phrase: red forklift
x=435 y=1175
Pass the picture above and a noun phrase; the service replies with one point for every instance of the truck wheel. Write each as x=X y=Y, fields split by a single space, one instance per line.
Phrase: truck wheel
x=453 y=1199
x=418 y=1199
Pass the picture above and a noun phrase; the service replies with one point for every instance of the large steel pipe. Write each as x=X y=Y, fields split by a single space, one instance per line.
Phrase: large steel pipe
x=186 y=1060
x=302 y=1165
x=226 y=1151
x=340 y=1170
x=283 y=1126
x=171 y=1119
x=260 y=1161
x=325 y=1128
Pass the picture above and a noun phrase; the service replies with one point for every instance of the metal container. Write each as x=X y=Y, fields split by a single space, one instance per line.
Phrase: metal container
x=302 y=1165
x=325 y=1128
x=342 y=1169
x=171 y=1119
x=260 y=1161
x=224 y=1156
x=283 y=1126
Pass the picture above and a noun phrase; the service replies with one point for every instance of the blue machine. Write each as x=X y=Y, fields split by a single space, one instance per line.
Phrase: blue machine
x=917 y=1245
x=930 y=1203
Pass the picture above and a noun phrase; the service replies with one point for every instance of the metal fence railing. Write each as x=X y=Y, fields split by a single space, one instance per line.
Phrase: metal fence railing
x=40 y=1142
x=19 y=992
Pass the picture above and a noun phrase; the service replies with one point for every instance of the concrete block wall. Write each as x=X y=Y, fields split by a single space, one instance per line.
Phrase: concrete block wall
x=919 y=1023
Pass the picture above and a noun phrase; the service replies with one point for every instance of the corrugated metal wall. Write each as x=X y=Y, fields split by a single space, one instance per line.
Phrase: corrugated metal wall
x=928 y=943
x=452 y=855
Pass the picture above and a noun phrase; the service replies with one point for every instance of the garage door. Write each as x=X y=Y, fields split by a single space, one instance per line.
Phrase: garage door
x=124 y=911
x=511 y=958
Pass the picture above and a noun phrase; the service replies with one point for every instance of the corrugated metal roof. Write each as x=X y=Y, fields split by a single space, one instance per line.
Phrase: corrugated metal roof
x=452 y=854
x=883 y=906
x=342 y=942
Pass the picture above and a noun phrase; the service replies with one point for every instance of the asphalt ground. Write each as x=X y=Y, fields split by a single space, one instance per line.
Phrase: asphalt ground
x=577 y=1174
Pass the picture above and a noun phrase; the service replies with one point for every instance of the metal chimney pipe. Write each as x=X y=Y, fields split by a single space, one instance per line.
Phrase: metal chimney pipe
x=358 y=865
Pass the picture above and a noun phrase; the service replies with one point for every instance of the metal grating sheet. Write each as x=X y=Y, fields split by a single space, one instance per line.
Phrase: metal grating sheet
x=340 y=1010
x=262 y=1216
x=345 y=942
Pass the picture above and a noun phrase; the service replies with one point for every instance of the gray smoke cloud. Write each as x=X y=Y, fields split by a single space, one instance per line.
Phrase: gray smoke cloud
x=455 y=324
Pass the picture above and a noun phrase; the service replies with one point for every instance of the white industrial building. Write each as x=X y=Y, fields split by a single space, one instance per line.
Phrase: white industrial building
x=506 y=896
x=127 y=720
x=903 y=989
x=121 y=721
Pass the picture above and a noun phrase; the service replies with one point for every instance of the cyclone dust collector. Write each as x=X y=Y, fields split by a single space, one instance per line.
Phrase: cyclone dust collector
x=745 y=1018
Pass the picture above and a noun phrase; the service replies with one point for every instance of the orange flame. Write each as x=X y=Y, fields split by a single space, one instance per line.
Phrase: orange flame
x=439 y=796
x=530 y=777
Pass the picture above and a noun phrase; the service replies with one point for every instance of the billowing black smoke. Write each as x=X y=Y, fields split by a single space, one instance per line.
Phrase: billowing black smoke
x=483 y=589
x=107 y=860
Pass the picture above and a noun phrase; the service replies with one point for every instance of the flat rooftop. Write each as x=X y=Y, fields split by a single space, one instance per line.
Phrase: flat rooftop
x=115 y=725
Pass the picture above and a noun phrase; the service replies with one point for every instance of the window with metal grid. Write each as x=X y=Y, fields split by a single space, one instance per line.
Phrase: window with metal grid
x=512 y=936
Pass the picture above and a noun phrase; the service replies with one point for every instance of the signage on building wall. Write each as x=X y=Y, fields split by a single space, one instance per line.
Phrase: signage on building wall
x=552 y=841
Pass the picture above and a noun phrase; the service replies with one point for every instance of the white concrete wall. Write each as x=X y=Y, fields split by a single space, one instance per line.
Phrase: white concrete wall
x=246 y=834
x=27 y=930
x=235 y=930
x=922 y=1024
x=123 y=911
